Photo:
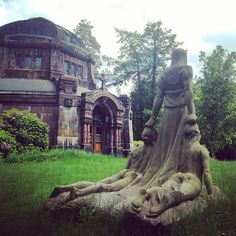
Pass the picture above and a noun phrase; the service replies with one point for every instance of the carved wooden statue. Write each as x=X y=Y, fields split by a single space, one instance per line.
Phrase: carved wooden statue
x=167 y=172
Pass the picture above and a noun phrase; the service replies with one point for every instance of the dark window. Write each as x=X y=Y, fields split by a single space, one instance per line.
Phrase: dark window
x=98 y=130
x=18 y=61
x=38 y=62
x=98 y=116
x=66 y=67
x=72 y=70
x=28 y=62
x=80 y=72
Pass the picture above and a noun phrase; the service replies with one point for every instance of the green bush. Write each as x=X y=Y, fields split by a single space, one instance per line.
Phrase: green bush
x=6 y=140
x=27 y=129
x=34 y=154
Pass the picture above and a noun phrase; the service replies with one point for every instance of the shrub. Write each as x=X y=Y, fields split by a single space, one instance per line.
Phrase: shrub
x=32 y=154
x=27 y=129
x=7 y=143
x=7 y=138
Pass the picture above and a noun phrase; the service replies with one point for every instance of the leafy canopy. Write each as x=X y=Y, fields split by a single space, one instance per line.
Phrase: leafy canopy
x=142 y=58
x=84 y=31
x=216 y=98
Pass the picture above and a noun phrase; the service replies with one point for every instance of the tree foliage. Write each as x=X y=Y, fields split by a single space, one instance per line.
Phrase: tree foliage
x=139 y=97
x=159 y=43
x=84 y=31
x=26 y=128
x=216 y=98
x=131 y=66
x=145 y=53
x=6 y=141
x=142 y=58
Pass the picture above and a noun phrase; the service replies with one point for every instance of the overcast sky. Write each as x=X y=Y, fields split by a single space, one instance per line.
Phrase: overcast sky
x=201 y=24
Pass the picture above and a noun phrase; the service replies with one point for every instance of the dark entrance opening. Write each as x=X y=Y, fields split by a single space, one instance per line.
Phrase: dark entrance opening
x=101 y=129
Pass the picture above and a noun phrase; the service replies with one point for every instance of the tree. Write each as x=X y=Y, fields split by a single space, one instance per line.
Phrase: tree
x=142 y=58
x=159 y=43
x=130 y=59
x=139 y=97
x=84 y=31
x=131 y=66
x=216 y=98
x=149 y=51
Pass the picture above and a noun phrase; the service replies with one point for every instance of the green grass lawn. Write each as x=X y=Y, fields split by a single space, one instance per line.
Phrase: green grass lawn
x=24 y=187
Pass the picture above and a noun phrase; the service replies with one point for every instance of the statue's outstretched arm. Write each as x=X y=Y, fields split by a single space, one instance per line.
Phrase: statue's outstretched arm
x=87 y=185
x=206 y=170
x=114 y=178
x=107 y=187
x=187 y=76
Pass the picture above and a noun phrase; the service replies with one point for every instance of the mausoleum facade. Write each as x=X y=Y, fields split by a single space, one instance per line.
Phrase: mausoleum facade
x=44 y=69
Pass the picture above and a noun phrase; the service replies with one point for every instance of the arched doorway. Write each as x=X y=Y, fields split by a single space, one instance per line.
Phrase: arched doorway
x=103 y=121
x=101 y=128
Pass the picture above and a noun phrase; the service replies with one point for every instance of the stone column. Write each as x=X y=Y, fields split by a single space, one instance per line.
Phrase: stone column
x=119 y=143
x=89 y=134
x=87 y=141
x=117 y=137
x=111 y=140
x=85 y=134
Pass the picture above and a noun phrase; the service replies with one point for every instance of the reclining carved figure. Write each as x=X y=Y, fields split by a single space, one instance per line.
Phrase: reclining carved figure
x=128 y=176
x=185 y=184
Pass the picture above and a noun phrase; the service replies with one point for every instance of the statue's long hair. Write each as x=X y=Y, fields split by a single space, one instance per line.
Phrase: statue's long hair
x=191 y=135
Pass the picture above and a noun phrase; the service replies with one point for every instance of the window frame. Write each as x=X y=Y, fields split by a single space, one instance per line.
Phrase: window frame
x=18 y=58
x=66 y=70
x=73 y=71
x=35 y=64
x=80 y=71
x=25 y=62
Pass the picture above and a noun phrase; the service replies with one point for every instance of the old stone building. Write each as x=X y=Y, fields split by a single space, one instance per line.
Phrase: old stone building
x=44 y=68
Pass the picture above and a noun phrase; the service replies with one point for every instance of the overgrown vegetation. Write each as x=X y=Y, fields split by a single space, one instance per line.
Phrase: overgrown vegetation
x=216 y=95
x=24 y=187
x=6 y=137
x=33 y=154
x=23 y=130
x=36 y=155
